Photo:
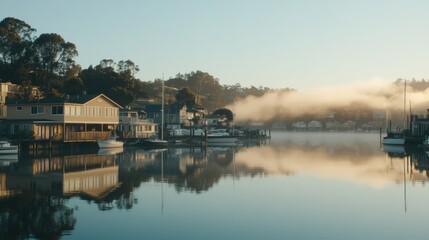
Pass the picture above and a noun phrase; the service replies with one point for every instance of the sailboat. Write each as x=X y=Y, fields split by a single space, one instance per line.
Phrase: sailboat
x=393 y=138
x=154 y=141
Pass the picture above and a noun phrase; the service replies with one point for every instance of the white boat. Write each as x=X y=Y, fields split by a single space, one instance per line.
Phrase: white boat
x=394 y=139
x=394 y=149
x=6 y=148
x=221 y=137
x=110 y=142
x=218 y=133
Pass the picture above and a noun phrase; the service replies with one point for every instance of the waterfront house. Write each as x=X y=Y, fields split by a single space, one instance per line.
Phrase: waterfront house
x=195 y=114
x=132 y=124
x=6 y=89
x=173 y=114
x=215 y=120
x=69 y=119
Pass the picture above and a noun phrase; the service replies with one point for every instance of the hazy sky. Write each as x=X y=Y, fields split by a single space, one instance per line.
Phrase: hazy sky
x=299 y=44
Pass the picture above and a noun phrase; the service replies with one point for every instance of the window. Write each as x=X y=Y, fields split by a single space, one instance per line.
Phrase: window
x=19 y=108
x=57 y=110
x=33 y=110
x=37 y=110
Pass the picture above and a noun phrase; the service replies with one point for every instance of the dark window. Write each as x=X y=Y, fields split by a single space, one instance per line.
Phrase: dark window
x=57 y=110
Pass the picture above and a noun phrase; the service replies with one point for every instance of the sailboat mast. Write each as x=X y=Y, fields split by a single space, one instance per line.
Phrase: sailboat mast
x=405 y=103
x=162 y=109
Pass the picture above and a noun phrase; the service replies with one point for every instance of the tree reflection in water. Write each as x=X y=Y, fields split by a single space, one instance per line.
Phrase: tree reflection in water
x=35 y=215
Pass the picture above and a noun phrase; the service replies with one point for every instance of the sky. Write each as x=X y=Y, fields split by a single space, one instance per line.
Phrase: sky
x=300 y=44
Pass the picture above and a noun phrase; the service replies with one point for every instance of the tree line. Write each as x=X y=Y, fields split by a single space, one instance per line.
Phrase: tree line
x=48 y=62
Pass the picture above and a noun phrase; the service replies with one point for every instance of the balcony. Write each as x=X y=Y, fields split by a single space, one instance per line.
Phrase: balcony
x=82 y=136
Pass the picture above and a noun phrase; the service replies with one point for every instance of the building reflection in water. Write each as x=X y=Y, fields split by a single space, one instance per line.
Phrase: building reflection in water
x=34 y=191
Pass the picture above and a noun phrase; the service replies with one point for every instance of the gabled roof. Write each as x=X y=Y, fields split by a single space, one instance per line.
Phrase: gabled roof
x=79 y=99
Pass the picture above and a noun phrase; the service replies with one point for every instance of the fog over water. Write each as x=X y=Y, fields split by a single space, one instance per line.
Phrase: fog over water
x=374 y=94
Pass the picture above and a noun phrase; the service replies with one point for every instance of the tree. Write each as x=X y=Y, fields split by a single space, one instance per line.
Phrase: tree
x=225 y=112
x=74 y=86
x=53 y=58
x=186 y=96
x=179 y=82
x=25 y=92
x=127 y=68
x=208 y=87
x=120 y=85
x=16 y=38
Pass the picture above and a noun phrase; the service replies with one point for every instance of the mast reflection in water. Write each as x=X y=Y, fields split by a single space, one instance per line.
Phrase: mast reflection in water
x=274 y=189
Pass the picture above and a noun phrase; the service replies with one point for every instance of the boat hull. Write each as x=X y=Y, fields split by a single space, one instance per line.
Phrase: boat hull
x=153 y=144
x=109 y=144
x=394 y=141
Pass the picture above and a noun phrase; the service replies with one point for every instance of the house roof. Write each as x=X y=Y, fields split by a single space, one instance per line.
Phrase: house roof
x=168 y=108
x=79 y=99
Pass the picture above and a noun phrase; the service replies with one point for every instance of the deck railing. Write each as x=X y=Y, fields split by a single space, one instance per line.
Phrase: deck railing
x=85 y=136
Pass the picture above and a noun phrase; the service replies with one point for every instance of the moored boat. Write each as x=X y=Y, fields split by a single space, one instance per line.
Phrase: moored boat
x=220 y=136
x=394 y=139
x=153 y=142
x=110 y=142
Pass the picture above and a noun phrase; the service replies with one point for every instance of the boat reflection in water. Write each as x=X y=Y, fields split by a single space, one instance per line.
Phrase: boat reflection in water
x=36 y=192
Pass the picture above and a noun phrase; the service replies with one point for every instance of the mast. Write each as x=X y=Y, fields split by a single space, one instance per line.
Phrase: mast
x=405 y=103
x=162 y=109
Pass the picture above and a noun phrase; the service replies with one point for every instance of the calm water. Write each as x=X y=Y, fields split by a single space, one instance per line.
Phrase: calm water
x=297 y=186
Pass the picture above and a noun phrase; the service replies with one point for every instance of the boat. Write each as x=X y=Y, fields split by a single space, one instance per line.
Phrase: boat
x=110 y=142
x=394 y=150
x=7 y=149
x=153 y=142
x=221 y=137
x=394 y=139
x=218 y=133
x=397 y=138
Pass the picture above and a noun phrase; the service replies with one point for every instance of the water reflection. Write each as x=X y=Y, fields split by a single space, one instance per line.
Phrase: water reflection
x=35 y=191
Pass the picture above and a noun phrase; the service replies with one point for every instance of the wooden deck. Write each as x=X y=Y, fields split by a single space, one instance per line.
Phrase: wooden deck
x=78 y=137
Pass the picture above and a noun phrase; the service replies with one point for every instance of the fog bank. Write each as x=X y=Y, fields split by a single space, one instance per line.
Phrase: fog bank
x=373 y=94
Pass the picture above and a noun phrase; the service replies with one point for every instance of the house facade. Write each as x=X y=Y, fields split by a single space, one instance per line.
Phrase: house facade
x=133 y=125
x=173 y=114
x=79 y=118
x=214 y=120
x=6 y=89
